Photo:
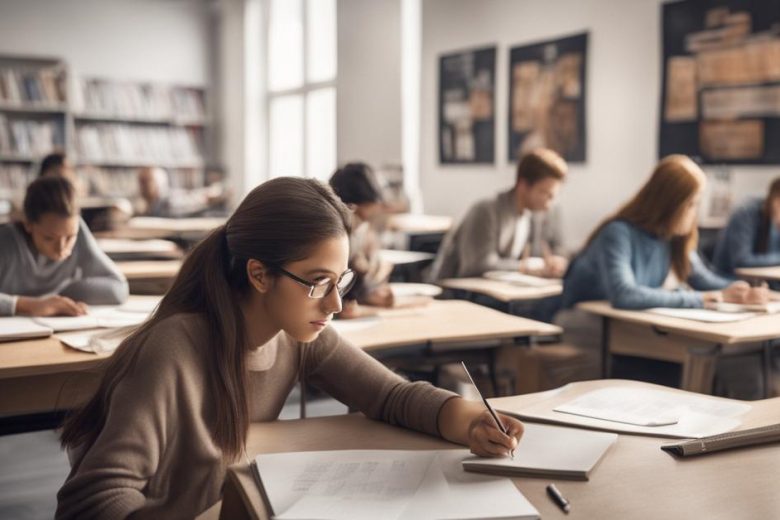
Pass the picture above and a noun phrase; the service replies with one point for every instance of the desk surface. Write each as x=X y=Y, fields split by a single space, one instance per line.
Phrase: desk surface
x=411 y=223
x=444 y=321
x=401 y=257
x=149 y=269
x=148 y=248
x=763 y=273
x=502 y=291
x=760 y=328
x=635 y=480
x=156 y=227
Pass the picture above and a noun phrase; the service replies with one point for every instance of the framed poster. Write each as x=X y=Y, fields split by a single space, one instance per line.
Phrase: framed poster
x=467 y=88
x=547 y=97
x=721 y=81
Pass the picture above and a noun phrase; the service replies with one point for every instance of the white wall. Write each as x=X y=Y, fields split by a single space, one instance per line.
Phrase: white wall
x=369 y=81
x=153 y=40
x=623 y=97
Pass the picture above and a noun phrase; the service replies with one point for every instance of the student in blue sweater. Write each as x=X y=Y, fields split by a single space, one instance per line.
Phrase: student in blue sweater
x=752 y=236
x=645 y=254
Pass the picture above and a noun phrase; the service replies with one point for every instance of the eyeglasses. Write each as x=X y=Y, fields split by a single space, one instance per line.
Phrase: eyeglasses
x=323 y=287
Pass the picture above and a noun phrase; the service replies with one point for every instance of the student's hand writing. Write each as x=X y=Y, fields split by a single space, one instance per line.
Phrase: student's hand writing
x=50 y=306
x=741 y=292
x=486 y=440
x=381 y=297
x=555 y=266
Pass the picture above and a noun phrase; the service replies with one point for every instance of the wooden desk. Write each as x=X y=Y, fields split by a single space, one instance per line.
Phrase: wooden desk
x=515 y=298
x=407 y=265
x=155 y=227
x=128 y=249
x=413 y=224
x=32 y=372
x=760 y=273
x=150 y=276
x=635 y=480
x=694 y=344
x=43 y=375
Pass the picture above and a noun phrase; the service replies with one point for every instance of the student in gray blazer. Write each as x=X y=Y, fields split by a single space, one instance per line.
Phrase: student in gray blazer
x=496 y=233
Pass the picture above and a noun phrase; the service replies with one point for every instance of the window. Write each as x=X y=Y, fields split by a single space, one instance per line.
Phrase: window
x=301 y=88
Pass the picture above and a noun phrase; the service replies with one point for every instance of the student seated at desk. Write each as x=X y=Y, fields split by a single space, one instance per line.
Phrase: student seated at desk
x=357 y=187
x=495 y=233
x=244 y=322
x=639 y=257
x=752 y=236
x=51 y=263
x=158 y=199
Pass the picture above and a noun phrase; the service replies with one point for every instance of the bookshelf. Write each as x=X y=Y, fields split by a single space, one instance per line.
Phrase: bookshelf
x=110 y=128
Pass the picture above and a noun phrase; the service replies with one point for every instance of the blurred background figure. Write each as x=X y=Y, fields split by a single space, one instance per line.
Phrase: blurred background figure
x=159 y=199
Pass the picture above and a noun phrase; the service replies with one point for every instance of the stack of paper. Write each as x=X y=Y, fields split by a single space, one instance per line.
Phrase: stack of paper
x=384 y=485
x=16 y=328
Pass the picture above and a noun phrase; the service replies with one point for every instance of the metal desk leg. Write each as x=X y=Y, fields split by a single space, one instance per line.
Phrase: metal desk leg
x=605 y=356
x=766 y=360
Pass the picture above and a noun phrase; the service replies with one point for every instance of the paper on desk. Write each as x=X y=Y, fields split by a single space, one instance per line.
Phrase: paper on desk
x=385 y=485
x=705 y=315
x=636 y=410
x=354 y=324
x=768 y=308
x=18 y=327
x=97 y=340
x=524 y=280
x=98 y=317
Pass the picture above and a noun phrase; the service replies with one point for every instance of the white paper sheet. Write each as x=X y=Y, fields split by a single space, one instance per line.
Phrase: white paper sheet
x=385 y=485
x=17 y=327
x=705 y=315
x=521 y=279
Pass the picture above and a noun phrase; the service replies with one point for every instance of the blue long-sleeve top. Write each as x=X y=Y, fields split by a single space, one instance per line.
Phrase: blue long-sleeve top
x=737 y=243
x=627 y=266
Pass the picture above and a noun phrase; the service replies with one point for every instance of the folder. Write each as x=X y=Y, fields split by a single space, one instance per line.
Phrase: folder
x=725 y=441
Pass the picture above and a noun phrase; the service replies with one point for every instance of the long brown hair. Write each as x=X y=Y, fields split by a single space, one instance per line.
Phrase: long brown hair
x=279 y=222
x=658 y=205
x=765 y=224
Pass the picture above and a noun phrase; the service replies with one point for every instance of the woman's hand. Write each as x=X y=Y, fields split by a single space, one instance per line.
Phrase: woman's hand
x=486 y=440
x=49 y=306
x=741 y=292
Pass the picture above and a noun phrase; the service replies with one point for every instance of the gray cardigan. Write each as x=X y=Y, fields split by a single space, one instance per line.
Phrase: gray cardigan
x=87 y=275
x=484 y=239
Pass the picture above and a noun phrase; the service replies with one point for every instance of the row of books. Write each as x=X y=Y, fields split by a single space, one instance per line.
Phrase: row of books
x=25 y=138
x=165 y=146
x=106 y=182
x=145 y=101
x=43 y=86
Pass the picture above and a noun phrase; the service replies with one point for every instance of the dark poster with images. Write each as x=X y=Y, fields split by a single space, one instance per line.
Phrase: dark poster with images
x=547 y=97
x=721 y=81
x=467 y=106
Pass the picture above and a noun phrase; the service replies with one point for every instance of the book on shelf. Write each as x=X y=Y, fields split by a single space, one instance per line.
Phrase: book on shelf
x=27 y=138
x=138 y=145
x=41 y=86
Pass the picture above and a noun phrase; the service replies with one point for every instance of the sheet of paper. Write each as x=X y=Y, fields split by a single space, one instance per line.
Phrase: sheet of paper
x=705 y=315
x=524 y=280
x=17 y=327
x=96 y=340
x=109 y=316
x=351 y=325
x=769 y=308
x=385 y=485
x=415 y=289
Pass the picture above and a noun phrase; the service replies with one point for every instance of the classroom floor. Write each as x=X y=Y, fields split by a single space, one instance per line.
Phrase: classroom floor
x=34 y=467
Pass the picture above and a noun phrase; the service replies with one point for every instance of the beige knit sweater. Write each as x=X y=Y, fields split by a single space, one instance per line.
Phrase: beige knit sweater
x=155 y=457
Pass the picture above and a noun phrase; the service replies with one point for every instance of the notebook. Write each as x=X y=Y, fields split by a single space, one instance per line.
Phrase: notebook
x=383 y=485
x=525 y=280
x=768 y=308
x=16 y=328
x=109 y=317
x=725 y=441
x=549 y=451
x=705 y=315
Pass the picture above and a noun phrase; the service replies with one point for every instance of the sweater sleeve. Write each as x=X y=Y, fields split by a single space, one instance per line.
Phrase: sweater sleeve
x=704 y=279
x=478 y=244
x=615 y=271
x=101 y=282
x=110 y=479
x=741 y=236
x=361 y=382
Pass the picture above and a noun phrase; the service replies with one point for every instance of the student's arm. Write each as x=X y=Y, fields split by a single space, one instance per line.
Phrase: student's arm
x=148 y=409
x=101 y=282
x=623 y=291
x=704 y=279
x=552 y=231
x=361 y=382
x=478 y=245
x=740 y=240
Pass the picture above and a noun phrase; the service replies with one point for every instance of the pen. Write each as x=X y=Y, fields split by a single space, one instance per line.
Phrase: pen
x=487 y=405
x=556 y=497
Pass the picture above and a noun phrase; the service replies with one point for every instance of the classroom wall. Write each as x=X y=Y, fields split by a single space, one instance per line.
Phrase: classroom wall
x=623 y=97
x=369 y=81
x=153 y=40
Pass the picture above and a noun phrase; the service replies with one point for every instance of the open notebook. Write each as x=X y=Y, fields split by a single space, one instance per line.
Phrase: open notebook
x=549 y=451
x=16 y=328
x=383 y=485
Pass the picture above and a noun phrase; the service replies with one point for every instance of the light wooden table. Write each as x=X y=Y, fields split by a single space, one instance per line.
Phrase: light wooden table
x=149 y=276
x=411 y=223
x=515 y=298
x=43 y=375
x=156 y=227
x=760 y=273
x=635 y=480
x=695 y=345
x=145 y=249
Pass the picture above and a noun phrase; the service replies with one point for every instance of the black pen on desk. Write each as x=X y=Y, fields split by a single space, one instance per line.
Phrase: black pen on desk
x=490 y=409
x=555 y=494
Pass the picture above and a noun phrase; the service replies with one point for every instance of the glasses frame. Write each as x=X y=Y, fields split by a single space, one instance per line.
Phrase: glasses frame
x=312 y=286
